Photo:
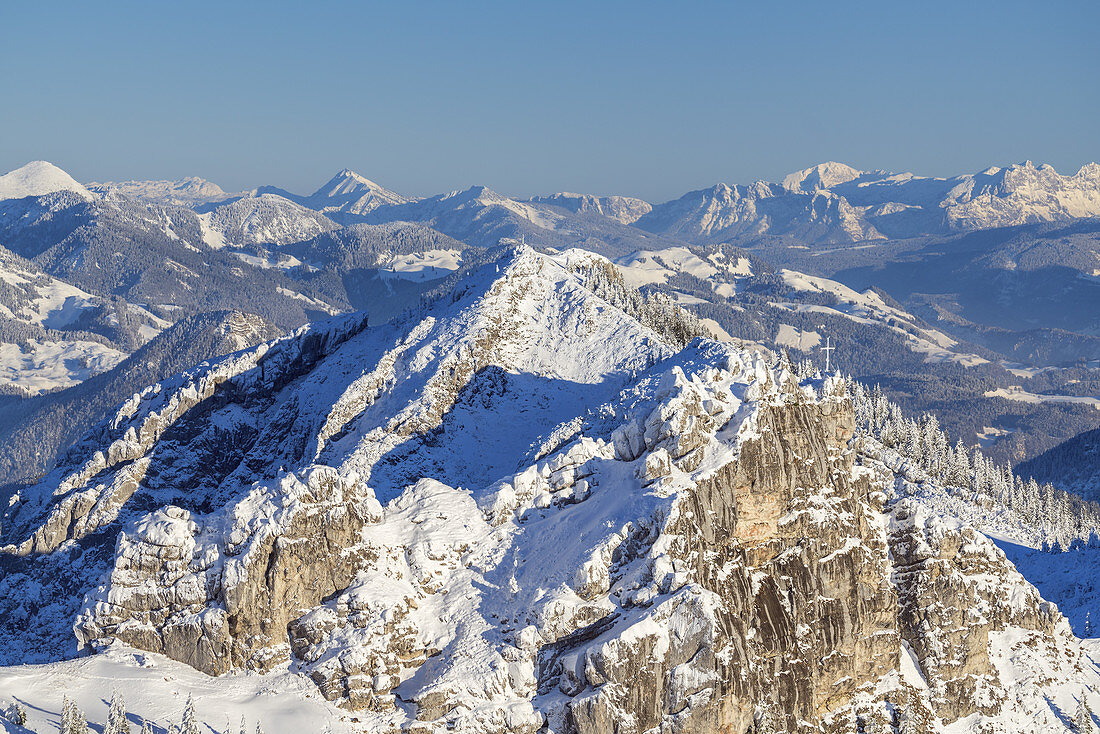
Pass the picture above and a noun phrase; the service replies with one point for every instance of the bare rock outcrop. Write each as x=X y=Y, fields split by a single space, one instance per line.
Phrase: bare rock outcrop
x=224 y=601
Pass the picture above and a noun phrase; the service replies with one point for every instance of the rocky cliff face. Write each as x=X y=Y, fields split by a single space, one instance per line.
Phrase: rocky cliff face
x=524 y=513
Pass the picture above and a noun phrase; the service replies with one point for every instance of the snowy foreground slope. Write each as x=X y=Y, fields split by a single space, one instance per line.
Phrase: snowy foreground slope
x=517 y=510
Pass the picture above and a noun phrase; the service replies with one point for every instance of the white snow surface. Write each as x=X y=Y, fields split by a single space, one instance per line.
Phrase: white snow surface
x=869 y=308
x=425 y=265
x=822 y=176
x=155 y=689
x=835 y=203
x=267 y=219
x=802 y=339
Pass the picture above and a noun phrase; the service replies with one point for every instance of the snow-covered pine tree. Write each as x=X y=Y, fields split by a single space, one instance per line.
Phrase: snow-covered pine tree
x=244 y=725
x=1056 y=517
x=654 y=309
x=189 y=724
x=116 y=716
x=66 y=724
x=145 y=727
x=73 y=720
x=1082 y=722
x=259 y=728
x=18 y=714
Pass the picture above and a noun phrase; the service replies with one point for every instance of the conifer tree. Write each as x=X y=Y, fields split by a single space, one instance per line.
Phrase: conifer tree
x=116 y=716
x=73 y=720
x=1082 y=722
x=189 y=724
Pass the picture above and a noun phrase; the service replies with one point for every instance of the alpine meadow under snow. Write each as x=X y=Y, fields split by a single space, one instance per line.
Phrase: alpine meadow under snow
x=355 y=461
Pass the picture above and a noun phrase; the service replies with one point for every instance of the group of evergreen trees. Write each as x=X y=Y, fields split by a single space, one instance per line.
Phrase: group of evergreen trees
x=73 y=720
x=1065 y=519
x=655 y=309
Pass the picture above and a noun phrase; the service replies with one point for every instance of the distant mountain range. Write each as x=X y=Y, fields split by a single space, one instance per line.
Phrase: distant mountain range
x=948 y=291
x=827 y=203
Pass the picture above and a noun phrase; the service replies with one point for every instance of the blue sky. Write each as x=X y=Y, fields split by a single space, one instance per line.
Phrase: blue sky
x=647 y=99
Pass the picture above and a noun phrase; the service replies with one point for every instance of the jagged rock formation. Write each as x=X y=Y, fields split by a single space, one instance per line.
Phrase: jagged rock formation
x=522 y=511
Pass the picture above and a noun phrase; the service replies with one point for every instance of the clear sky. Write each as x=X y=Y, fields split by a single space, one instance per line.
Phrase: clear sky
x=647 y=99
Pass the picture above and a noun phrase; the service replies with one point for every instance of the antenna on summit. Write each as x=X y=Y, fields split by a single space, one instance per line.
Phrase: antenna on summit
x=827 y=349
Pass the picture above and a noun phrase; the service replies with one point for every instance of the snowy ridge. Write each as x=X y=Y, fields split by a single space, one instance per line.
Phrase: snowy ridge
x=1022 y=194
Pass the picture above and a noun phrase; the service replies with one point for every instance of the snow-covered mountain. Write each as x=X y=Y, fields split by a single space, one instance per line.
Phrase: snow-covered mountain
x=835 y=203
x=478 y=215
x=191 y=191
x=266 y=219
x=1020 y=293
x=1022 y=194
x=791 y=296
x=996 y=197
x=348 y=192
x=822 y=176
x=38 y=178
x=54 y=335
x=745 y=213
x=483 y=217
x=522 y=509
x=41 y=428
x=169 y=257
x=625 y=209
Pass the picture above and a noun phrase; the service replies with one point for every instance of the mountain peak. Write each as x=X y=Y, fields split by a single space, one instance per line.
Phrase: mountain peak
x=38 y=178
x=351 y=192
x=822 y=176
x=347 y=180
